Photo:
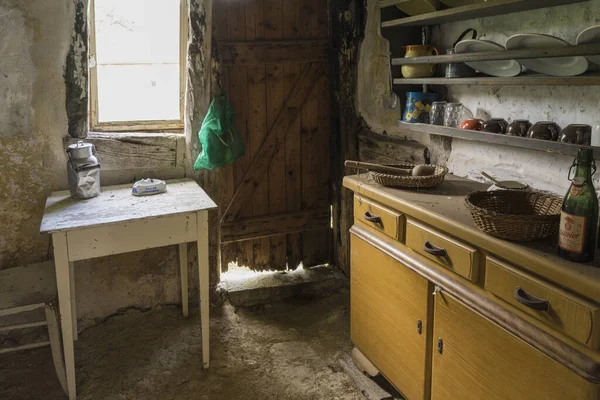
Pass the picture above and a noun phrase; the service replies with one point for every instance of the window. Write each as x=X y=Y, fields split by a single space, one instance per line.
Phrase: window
x=137 y=64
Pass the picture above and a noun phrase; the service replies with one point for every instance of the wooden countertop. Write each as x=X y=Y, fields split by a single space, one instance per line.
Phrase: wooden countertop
x=443 y=207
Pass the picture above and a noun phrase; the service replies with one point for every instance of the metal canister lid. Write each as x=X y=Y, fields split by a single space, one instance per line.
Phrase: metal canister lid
x=80 y=145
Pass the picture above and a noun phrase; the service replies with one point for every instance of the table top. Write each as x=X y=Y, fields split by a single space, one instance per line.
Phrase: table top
x=116 y=204
x=443 y=207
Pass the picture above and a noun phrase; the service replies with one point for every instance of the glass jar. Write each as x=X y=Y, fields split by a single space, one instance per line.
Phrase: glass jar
x=456 y=113
x=438 y=109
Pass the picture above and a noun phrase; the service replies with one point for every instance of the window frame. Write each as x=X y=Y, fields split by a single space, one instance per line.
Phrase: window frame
x=137 y=126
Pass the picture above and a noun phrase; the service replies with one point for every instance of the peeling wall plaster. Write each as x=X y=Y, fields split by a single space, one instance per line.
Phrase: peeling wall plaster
x=36 y=37
x=564 y=105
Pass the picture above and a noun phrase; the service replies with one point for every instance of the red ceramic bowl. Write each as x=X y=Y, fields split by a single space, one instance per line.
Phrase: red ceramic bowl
x=472 y=124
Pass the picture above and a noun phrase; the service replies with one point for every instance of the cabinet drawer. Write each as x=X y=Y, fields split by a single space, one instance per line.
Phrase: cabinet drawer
x=381 y=218
x=444 y=250
x=574 y=316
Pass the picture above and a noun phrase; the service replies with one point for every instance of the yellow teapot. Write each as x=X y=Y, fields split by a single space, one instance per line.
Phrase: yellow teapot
x=419 y=70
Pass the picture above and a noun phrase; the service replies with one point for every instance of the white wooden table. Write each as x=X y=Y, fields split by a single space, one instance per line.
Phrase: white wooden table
x=117 y=222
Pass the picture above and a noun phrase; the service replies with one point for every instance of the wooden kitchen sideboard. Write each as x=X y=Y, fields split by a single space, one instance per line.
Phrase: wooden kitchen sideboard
x=446 y=312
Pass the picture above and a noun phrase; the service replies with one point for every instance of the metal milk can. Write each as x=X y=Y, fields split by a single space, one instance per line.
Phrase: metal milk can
x=83 y=170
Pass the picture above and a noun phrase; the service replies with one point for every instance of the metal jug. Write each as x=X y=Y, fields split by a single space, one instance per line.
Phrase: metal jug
x=83 y=170
x=459 y=70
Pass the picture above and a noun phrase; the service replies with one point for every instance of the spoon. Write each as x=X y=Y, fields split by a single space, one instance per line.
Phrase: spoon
x=512 y=185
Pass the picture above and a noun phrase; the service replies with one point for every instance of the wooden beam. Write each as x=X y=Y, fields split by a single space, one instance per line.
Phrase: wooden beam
x=273 y=52
x=567 y=51
x=24 y=347
x=273 y=225
x=122 y=151
x=21 y=309
x=588 y=79
x=477 y=10
x=9 y=328
x=307 y=82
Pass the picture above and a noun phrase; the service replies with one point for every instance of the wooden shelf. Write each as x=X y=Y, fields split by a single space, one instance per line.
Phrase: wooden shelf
x=581 y=50
x=589 y=79
x=546 y=146
x=479 y=10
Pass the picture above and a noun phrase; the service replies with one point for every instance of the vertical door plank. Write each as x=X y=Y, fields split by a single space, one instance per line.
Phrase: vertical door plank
x=220 y=19
x=228 y=251
x=310 y=172
x=309 y=130
x=275 y=99
x=321 y=147
x=257 y=128
x=238 y=84
x=293 y=146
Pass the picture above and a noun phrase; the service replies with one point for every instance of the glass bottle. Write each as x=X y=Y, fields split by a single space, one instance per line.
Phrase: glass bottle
x=579 y=214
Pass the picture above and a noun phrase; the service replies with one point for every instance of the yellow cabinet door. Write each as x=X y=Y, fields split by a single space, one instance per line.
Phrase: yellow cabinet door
x=388 y=318
x=476 y=359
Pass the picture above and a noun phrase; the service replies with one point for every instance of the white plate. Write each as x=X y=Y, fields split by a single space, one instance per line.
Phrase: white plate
x=589 y=36
x=562 y=66
x=494 y=68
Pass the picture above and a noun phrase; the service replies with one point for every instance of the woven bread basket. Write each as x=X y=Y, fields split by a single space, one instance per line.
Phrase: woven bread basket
x=515 y=215
x=409 y=181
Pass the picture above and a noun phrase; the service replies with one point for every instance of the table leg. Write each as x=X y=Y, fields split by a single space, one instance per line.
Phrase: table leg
x=183 y=270
x=202 y=222
x=73 y=305
x=63 y=284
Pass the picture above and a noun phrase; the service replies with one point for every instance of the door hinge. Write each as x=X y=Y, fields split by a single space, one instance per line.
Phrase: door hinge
x=440 y=346
x=420 y=326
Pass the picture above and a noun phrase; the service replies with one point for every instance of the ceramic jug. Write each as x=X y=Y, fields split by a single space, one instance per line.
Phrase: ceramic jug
x=419 y=70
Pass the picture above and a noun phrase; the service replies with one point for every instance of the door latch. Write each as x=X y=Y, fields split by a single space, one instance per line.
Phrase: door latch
x=420 y=326
x=440 y=346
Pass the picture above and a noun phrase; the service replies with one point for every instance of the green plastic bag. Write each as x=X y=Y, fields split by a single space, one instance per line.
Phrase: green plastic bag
x=221 y=144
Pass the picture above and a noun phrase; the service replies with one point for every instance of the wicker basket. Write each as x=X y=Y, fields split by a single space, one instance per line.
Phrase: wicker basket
x=515 y=215
x=408 y=181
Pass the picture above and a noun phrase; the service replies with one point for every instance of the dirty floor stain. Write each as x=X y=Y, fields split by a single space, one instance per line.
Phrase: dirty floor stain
x=282 y=351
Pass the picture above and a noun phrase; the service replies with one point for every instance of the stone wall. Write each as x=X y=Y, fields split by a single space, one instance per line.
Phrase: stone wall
x=564 y=105
x=36 y=67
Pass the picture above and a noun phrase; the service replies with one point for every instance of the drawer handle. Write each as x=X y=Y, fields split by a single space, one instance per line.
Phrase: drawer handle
x=434 y=250
x=530 y=300
x=372 y=218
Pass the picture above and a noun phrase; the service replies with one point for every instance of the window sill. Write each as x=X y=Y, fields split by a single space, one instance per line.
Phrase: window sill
x=136 y=151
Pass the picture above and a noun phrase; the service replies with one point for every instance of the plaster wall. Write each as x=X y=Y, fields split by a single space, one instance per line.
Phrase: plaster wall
x=564 y=105
x=36 y=36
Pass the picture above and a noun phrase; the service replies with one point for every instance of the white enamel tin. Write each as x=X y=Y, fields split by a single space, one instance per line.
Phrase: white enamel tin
x=148 y=187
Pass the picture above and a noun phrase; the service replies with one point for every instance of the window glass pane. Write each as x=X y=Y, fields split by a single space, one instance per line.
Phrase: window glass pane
x=137 y=56
x=138 y=92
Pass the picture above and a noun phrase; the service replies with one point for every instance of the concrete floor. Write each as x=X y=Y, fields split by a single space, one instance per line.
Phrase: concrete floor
x=284 y=351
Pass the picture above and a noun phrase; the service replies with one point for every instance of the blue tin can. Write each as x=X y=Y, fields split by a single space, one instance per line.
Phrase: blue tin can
x=418 y=106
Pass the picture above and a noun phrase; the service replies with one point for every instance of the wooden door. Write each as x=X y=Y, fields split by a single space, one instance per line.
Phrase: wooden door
x=276 y=199
x=390 y=318
x=479 y=360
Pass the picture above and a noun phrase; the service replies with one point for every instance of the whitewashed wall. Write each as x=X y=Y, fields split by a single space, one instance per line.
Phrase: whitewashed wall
x=564 y=105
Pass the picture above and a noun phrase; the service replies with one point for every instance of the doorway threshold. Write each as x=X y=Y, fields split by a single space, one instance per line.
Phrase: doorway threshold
x=247 y=288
